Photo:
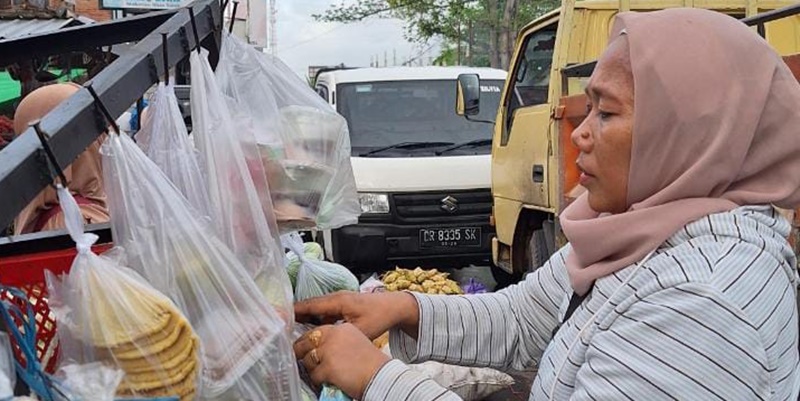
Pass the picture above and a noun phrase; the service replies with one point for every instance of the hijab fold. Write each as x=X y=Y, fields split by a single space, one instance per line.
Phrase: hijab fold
x=715 y=127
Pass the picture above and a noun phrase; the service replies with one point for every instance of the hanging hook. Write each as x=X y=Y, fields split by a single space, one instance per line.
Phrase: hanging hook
x=165 y=52
x=222 y=10
x=194 y=29
x=233 y=15
x=109 y=119
x=48 y=151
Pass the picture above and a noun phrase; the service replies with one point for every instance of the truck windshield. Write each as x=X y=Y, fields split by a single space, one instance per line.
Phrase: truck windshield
x=381 y=114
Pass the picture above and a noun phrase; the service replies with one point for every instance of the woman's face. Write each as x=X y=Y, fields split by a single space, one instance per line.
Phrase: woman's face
x=604 y=137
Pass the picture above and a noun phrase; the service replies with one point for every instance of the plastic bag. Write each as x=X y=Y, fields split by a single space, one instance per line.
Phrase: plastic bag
x=90 y=382
x=8 y=377
x=108 y=313
x=304 y=144
x=164 y=139
x=236 y=207
x=247 y=354
x=311 y=250
x=315 y=277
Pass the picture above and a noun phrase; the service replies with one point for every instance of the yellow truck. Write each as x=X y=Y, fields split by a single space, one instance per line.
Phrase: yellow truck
x=534 y=176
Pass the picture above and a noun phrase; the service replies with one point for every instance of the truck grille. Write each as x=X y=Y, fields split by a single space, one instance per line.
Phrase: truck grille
x=444 y=204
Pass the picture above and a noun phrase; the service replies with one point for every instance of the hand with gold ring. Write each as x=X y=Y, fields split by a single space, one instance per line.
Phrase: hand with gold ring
x=328 y=354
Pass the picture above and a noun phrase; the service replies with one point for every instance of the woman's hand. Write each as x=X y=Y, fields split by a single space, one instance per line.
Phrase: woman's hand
x=373 y=314
x=341 y=356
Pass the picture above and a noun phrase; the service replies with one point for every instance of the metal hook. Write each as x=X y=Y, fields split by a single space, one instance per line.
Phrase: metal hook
x=222 y=10
x=103 y=109
x=165 y=53
x=48 y=151
x=233 y=15
x=194 y=29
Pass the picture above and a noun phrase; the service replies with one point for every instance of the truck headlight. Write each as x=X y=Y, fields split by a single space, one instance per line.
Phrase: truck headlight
x=374 y=203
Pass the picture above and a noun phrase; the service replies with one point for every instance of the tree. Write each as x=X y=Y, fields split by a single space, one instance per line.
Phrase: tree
x=481 y=31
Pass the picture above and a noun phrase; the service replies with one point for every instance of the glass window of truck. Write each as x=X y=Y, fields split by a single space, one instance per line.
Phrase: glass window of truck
x=381 y=114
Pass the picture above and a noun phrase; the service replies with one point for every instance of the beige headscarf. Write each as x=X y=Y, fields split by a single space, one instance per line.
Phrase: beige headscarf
x=715 y=126
x=84 y=174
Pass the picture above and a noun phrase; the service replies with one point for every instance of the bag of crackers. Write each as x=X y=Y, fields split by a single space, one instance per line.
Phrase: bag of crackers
x=108 y=314
x=246 y=350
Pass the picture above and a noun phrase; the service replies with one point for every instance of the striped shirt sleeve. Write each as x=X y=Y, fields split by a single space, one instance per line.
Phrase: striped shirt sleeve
x=684 y=342
x=397 y=382
x=504 y=330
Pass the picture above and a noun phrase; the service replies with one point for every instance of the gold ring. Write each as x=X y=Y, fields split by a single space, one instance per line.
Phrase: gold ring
x=314 y=337
x=314 y=356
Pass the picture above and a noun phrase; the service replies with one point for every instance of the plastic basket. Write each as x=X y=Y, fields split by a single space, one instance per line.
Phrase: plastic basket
x=26 y=272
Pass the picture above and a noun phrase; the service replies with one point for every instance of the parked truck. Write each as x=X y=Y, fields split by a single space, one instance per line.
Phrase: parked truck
x=534 y=176
x=422 y=173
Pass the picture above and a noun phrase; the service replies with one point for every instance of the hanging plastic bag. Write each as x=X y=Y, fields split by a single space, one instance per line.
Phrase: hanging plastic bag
x=164 y=139
x=235 y=205
x=90 y=382
x=8 y=378
x=246 y=353
x=316 y=278
x=311 y=250
x=304 y=144
x=108 y=313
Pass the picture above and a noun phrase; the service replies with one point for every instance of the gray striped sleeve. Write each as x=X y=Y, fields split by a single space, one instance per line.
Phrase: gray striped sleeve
x=504 y=330
x=684 y=342
x=397 y=382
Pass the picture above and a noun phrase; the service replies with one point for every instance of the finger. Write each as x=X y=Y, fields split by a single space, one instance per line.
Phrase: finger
x=304 y=344
x=327 y=309
x=311 y=361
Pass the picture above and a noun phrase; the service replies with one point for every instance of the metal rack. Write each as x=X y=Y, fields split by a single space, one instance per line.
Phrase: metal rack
x=76 y=123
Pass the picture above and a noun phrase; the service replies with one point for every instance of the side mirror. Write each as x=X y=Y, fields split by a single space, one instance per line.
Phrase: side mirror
x=468 y=95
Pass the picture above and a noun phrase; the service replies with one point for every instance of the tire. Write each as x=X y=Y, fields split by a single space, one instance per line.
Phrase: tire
x=538 y=252
x=503 y=278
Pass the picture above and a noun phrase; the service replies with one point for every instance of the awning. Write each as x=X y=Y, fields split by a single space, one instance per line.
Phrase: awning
x=14 y=28
x=9 y=88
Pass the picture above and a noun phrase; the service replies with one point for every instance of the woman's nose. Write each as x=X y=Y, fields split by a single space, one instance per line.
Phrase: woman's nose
x=581 y=136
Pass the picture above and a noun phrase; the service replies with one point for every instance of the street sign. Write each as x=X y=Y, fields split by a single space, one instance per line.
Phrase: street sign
x=142 y=4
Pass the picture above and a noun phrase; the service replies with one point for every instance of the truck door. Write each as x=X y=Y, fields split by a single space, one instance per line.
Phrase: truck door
x=520 y=165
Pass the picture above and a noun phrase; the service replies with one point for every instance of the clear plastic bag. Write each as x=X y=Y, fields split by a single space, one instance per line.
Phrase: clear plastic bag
x=107 y=313
x=165 y=140
x=246 y=352
x=90 y=382
x=304 y=144
x=235 y=179
x=8 y=377
x=315 y=277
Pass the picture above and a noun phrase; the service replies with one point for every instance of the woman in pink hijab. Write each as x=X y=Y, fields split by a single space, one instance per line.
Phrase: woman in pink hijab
x=678 y=282
x=85 y=174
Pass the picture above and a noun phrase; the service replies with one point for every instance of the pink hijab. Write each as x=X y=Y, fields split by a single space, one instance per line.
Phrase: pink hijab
x=716 y=126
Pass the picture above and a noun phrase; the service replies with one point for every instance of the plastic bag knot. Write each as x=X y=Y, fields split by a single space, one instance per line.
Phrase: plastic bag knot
x=84 y=244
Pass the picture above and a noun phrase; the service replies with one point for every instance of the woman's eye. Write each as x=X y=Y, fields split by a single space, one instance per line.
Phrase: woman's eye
x=604 y=115
x=588 y=109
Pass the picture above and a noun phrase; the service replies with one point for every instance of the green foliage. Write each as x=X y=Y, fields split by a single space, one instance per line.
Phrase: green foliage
x=474 y=24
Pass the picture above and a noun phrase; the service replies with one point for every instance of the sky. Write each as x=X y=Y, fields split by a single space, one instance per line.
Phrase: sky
x=303 y=41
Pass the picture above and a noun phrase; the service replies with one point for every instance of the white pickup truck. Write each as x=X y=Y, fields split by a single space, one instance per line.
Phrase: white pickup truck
x=423 y=173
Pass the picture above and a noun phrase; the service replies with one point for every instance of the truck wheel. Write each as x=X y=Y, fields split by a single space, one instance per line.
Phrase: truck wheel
x=503 y=279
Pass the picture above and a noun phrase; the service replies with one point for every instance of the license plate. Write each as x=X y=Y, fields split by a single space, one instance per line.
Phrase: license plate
x=450 y=237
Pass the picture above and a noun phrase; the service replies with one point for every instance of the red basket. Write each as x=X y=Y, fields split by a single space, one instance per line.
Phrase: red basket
x=26 y=272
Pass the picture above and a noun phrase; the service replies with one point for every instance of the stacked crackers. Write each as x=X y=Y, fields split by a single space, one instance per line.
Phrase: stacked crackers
x=145 y=335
